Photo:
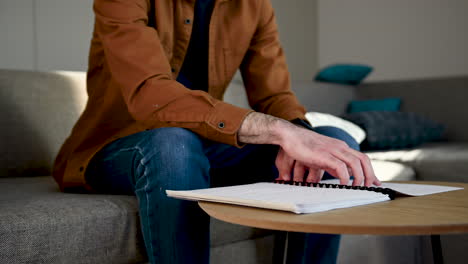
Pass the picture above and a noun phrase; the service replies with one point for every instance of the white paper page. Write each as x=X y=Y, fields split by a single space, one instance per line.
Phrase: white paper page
x=409 y=188
x=299 y=199
x=418 y=189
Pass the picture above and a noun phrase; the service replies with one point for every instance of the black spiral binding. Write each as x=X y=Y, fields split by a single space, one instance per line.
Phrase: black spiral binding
x=391 y=193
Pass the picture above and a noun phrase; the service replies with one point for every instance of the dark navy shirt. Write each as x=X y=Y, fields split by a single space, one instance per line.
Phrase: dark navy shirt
x=194 y=72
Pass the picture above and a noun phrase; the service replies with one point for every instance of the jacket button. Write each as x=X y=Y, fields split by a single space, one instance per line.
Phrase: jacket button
x=221 y=125
x=187 y=21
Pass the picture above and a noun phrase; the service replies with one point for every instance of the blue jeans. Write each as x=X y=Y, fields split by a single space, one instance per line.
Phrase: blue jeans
x=148 y=163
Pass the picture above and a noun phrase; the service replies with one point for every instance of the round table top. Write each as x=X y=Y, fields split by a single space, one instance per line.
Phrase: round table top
x=440 y=213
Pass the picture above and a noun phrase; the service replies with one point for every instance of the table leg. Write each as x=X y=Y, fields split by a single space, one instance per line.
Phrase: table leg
x=280 y=247
x=437 y=249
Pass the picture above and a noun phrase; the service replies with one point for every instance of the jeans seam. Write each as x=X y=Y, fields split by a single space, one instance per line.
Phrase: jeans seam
x=145 y=189
x=142 y=162
x=147 y=210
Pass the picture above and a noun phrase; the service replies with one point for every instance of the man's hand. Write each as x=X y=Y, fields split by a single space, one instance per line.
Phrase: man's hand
x=286 y=164
x=303 y=150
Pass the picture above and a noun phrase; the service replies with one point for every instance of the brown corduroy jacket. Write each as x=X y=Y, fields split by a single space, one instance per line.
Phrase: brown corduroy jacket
x=137 y=50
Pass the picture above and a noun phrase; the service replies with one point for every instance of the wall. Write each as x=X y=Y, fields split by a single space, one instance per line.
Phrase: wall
x=55 y=34
x=64 y=29
x=17 y=49
x=297 y=23
x=400 y=38
x=45 y=34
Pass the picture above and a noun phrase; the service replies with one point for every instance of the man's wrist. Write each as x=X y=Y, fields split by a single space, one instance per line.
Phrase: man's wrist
x=259 y=128
x=302 y=123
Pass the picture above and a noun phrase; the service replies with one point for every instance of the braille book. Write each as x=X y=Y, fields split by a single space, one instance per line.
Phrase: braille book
x=303 y=198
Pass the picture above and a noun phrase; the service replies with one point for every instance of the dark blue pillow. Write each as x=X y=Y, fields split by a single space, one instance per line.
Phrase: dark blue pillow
x=386 y=104
x=395 y=130
x=351 y=74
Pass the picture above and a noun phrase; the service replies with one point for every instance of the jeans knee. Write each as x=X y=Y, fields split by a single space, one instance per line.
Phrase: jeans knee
x=338 y=133
x=178 y=159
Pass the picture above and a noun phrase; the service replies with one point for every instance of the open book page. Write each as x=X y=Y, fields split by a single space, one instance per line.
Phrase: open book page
x=409 y=188
x=297 y=199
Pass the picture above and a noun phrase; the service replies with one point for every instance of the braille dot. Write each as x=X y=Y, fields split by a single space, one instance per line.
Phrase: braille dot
x=221 y=125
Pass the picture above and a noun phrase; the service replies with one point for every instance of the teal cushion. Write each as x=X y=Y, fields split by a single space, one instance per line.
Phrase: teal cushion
x=352 y=74
x=386 y=104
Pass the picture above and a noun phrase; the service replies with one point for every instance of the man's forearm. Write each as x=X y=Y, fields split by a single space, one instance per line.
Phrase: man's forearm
x=259 y=128
x=306 y=148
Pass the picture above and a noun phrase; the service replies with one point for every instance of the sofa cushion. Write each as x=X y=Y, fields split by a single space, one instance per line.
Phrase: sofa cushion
x=254 y=251
x=352 y=74
x=322 y=119
x=392 y=171
x=432 y=161
x=37 y=112
x=384 y=104
x=40 y=224
x=442 y=99
x=223 y=233
x=357 y=249
x=395 y=130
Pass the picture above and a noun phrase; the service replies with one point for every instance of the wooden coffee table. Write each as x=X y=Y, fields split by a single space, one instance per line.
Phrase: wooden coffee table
x=436 y=214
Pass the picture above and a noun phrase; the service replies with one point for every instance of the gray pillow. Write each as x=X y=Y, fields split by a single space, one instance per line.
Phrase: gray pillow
x=395 y=130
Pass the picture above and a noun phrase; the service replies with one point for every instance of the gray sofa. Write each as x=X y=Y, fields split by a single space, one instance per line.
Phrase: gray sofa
x=39 y=224
x=440 y=99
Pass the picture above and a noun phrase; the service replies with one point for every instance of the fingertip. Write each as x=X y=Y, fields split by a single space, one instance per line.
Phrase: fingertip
x=320 y=175
x=285 y=177
x=344 y=181
x=357 y=181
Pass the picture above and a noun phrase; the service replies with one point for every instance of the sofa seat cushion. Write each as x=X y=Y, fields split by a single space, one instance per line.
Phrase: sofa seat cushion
x=432 y=162
x=223 y=233
x=40 y=224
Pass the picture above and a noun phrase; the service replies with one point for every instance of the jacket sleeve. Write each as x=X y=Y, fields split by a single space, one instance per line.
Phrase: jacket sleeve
x=140 y=68
x=265 y=72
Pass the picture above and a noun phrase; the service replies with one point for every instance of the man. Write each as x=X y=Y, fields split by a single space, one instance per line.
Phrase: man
x=155 y=119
